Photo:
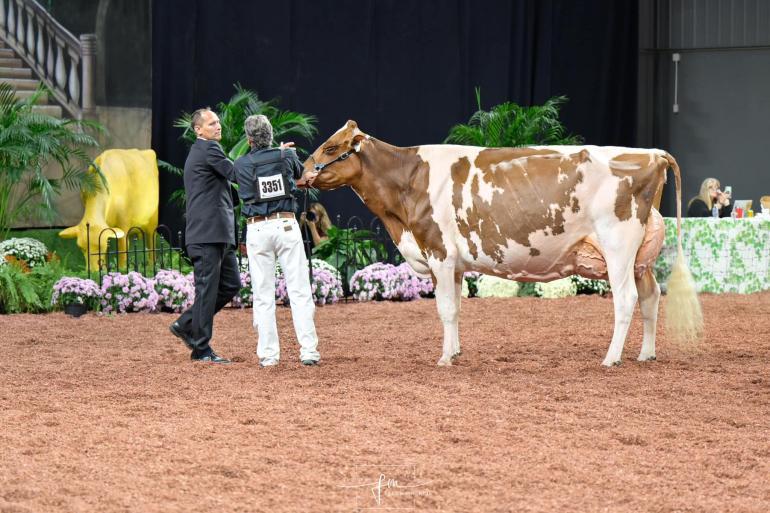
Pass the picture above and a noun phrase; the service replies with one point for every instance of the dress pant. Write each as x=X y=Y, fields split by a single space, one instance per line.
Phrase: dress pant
x=217 y=280
x=267 y=241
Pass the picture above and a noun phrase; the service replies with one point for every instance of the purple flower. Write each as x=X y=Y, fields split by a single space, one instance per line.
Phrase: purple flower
x=69 y=290
x=175 y=291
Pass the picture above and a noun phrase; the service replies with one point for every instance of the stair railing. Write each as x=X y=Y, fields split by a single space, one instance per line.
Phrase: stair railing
x=63 y=62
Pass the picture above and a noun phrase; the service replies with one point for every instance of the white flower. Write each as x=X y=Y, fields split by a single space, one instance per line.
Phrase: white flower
x=492 y=286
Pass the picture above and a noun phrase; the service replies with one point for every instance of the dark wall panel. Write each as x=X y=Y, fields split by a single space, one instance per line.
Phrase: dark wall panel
x=404 y=70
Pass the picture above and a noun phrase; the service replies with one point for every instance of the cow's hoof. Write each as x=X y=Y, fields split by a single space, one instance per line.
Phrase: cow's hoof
x=611 y=363
x=645 y=358
x=444 y=362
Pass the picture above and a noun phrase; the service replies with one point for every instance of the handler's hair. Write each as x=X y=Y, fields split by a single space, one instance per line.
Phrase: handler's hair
x=197 y=117
x=259 y=131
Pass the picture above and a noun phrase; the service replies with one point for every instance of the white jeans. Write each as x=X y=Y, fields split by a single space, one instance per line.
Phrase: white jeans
x=281 y=239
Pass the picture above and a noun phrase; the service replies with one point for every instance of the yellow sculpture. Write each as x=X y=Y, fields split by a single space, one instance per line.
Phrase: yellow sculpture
x=132 y=201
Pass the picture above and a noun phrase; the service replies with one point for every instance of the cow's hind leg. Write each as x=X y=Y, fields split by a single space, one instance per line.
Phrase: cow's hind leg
x=458 y=297
x=649 y=297
x=448 y=309
x=620 y=268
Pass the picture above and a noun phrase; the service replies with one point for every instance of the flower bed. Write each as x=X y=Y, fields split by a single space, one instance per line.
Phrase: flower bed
x=380 y=281
x=123 y=293
x=31 y=251
x=176 y=292
x=77 y=291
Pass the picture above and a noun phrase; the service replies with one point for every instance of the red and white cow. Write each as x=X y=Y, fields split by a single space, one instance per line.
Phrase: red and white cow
x=528 y=214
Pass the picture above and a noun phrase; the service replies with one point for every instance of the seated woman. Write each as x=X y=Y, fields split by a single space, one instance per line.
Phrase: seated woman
x=318 y=222
x=710 y=194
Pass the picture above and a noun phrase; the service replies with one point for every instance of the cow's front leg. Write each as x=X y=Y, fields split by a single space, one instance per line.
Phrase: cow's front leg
x=448 y=309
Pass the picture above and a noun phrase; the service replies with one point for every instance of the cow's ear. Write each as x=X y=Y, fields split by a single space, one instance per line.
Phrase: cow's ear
x=357 y=139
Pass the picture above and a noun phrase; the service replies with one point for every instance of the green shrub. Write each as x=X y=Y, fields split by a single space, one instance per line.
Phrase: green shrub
x=17 y=291
x=510 y=125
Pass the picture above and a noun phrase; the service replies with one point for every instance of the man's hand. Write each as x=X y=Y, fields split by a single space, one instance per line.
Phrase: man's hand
x=284 y=145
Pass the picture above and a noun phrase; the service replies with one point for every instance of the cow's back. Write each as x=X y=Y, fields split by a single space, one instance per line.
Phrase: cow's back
x=524 y=210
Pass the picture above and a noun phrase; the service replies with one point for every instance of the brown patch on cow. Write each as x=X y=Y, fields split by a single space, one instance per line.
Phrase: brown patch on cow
x=527 y=183
x=394 y=185
x=534 y=252
x=640 y=178
x=492 y=156
x=420 y=211
x=460 y=171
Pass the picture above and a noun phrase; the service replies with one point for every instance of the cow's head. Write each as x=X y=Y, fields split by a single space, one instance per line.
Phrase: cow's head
x=335 y=160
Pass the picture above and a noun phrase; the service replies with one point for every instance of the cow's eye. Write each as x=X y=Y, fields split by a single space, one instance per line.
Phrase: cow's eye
x=330 y=149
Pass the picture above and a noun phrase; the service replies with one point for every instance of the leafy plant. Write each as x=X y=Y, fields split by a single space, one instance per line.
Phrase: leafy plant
x=43 y=278
x=232 y=114
x=28 y=142
x=510 y=125
x=17 y=291
x=349 y=250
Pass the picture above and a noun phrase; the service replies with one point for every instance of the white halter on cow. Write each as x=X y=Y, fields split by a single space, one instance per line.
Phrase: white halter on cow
x=529 y=214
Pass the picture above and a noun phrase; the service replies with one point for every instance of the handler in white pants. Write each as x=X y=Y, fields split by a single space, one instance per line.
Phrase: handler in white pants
x=280 y=238
x=266 y=179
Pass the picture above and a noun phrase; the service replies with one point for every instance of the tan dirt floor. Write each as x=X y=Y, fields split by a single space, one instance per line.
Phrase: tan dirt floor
x=104 y=414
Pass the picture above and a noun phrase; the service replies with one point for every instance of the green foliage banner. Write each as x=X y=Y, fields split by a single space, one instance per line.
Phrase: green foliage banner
x=724 y=255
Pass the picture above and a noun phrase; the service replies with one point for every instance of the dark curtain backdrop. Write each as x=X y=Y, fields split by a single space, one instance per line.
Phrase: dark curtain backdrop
x=404 y=70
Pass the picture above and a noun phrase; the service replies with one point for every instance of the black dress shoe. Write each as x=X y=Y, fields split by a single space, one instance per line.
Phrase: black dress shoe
x=309 y=363
x=179 y=333
x=210 y=358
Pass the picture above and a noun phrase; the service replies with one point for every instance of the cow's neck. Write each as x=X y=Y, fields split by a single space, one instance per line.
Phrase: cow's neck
x=388 y=173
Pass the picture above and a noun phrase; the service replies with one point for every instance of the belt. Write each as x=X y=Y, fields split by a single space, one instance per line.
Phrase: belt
x=274 y=215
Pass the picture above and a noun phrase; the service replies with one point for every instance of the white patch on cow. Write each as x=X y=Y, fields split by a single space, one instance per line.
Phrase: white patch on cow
x=486 y=189
x=624 y=165
x=410 y=250
x=440 y=158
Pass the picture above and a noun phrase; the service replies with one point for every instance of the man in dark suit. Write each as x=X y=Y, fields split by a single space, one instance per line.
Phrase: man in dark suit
x=209 y=236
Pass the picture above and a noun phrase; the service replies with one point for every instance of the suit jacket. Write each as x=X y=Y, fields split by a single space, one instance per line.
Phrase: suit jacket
x=209 y=205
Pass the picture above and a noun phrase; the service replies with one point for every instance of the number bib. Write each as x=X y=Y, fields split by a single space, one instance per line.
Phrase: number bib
x=271 y=188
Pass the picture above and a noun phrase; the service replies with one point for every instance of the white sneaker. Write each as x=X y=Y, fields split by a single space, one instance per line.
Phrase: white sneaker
x=267 y=362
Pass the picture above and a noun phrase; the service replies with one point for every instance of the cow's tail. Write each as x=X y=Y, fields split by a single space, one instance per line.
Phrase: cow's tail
x=684 y=318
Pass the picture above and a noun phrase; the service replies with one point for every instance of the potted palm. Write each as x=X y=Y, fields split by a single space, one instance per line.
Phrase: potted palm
x=511 y=125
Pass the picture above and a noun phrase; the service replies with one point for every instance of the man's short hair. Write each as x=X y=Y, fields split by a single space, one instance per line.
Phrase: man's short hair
x=197 y=117
x=259 y=131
